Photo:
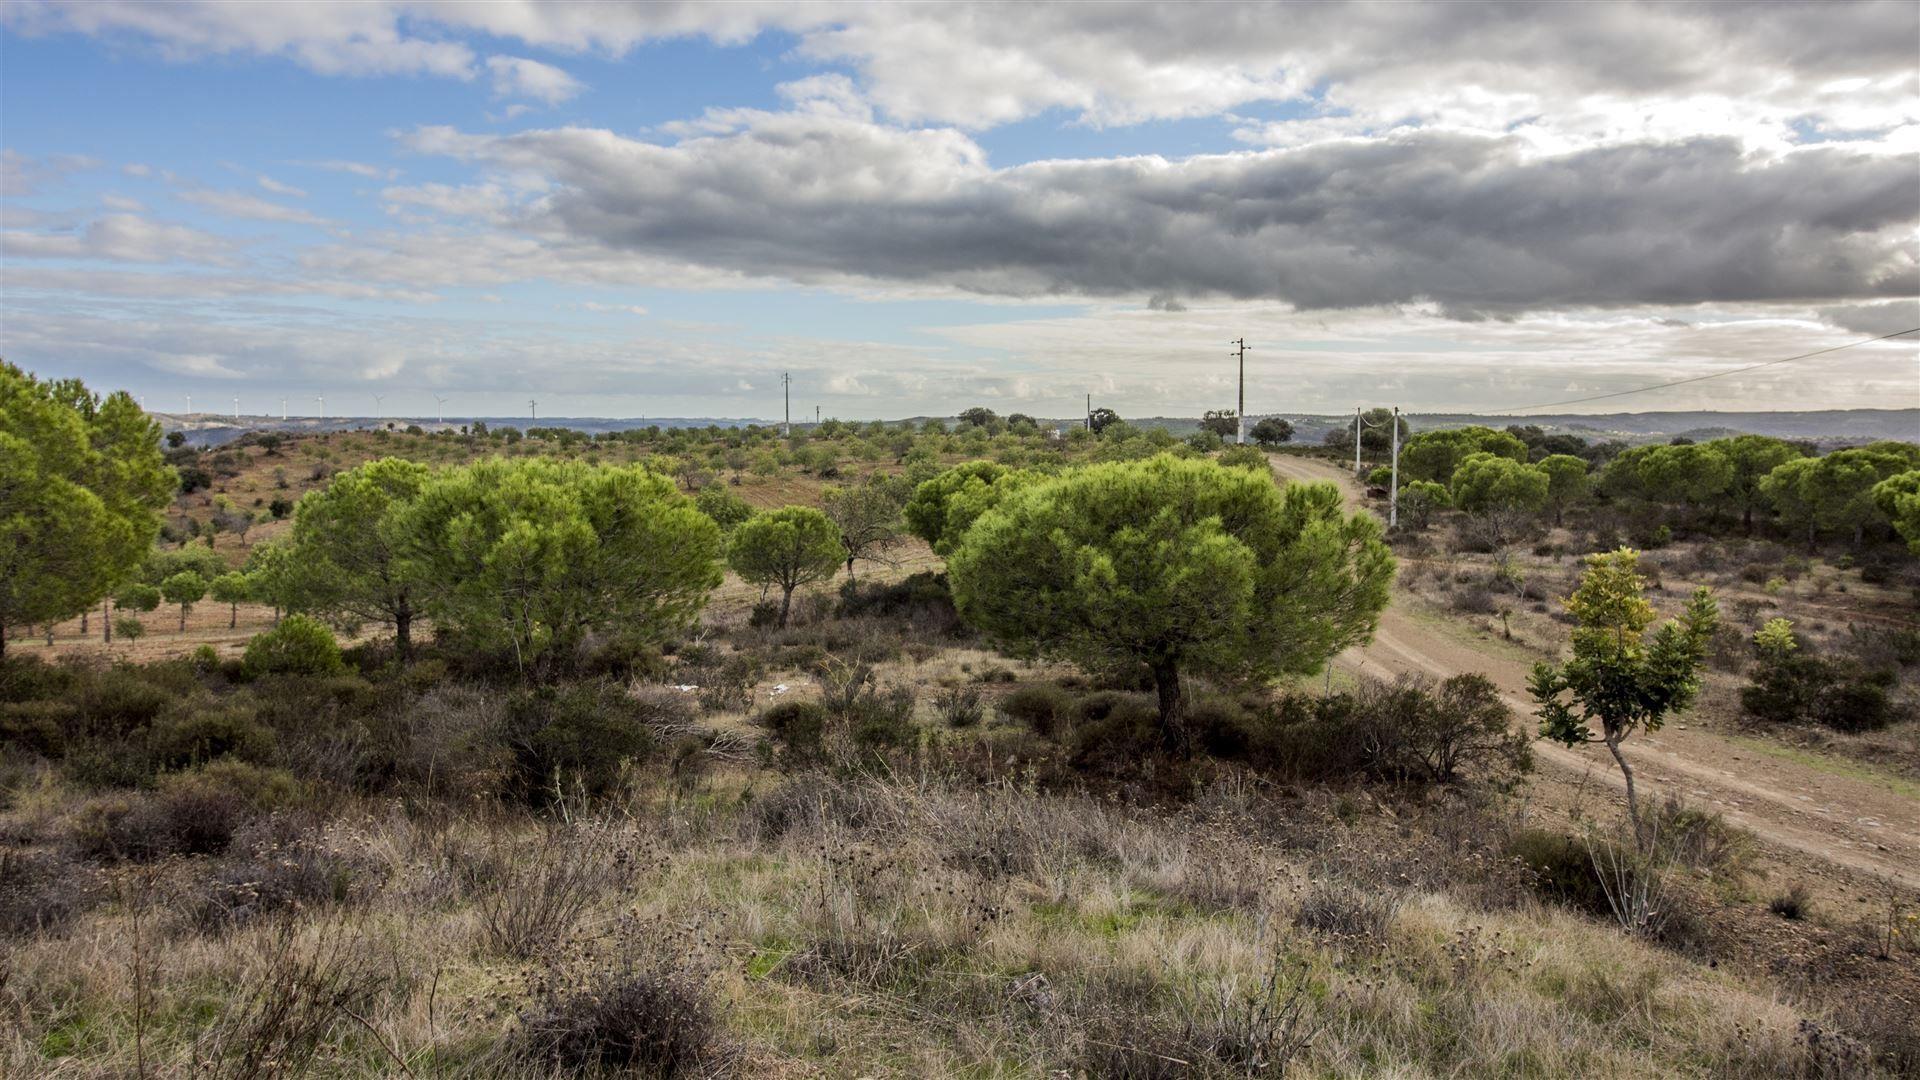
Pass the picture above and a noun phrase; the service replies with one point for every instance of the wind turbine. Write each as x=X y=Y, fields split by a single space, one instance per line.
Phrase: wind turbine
x=439 y=409
x=379 y=405
x=283 y=410
x=236 y=412
x=323 y=407
x=189 y=404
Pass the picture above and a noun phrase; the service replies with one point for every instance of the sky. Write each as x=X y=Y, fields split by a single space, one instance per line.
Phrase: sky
x=634 y=210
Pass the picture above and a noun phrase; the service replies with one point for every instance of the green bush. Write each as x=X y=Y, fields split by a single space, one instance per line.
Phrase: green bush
x=199 y=730
x=1044 y=708
x=574 y=738
x=798 y=726
x=1562 y=870
x=259 y=787
x=37 y=726
x=298 y=646
x=883 y=720
x=129 y=627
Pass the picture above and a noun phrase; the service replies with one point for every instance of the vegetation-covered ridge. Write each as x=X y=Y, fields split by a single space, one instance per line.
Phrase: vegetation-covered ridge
x=959 y=750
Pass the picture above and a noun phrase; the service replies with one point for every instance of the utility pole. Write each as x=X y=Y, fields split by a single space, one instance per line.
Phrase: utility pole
x=1356 y=440
x=533 y=410
x=1089 y=413
x=1240 y=417
x=816 y=416
x=786 y=398
x=1393 y=488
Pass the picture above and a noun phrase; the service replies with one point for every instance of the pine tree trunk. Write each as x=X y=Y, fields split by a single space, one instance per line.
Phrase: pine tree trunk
x=233 y=614
x=1173 y=708
x=786 y=606
x=106 y=623
x=403 y=633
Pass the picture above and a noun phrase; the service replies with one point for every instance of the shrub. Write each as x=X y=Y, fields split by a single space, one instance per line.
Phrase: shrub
x=1562 y=870
x=1044 y=708
x=37 y=726
x=41 y=892
x=298 y=646
x=200 y=729
x=659 y=1023
x=578 y=737
x=883 y=719
x=960 y=706
x=259 y=788
x=798 y=726
x=129 y=627
x=1340 y=908
x=1417 y=731
x=141 y=828
x=1792 y=904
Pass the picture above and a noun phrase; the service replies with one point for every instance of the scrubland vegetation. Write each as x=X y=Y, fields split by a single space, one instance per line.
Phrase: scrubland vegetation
x=884 y=752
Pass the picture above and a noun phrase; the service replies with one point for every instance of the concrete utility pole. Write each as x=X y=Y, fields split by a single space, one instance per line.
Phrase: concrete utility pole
x=1393 y=490
x=1356 y=440
x=1240 y=417
x=786 y=397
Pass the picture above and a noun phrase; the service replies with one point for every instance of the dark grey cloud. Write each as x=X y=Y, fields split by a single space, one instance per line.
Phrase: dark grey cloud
x=1875 y=319
x=1473 y=223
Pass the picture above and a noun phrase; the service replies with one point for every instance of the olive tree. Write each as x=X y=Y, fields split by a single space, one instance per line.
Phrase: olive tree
x=1619 y=680
x=530 y=555
x=789 y=547
x=1179 y=565
x=868 y=517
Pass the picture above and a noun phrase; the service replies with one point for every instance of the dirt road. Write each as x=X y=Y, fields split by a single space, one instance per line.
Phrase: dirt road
x=1841 y=816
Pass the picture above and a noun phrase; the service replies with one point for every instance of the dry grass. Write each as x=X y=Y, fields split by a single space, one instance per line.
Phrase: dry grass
x=909 y=926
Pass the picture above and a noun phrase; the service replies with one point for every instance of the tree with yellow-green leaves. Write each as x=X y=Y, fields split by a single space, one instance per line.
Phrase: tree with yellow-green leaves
x=82 y=483
x=1620 y=679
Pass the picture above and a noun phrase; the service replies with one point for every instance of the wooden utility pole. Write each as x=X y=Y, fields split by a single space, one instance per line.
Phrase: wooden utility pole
x=1240 y=417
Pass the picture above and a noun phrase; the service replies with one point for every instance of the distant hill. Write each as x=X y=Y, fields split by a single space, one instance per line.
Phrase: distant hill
x=1827 y=427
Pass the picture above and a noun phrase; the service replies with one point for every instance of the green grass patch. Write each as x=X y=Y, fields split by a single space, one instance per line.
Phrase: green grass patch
x=1827 y=763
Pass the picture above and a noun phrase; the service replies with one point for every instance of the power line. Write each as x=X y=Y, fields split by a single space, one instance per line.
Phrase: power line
x=1703 y=378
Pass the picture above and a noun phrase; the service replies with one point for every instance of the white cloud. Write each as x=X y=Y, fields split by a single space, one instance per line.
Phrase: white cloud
x=356 y=168
x=516 y=76
x=279 y=188
x=121 y=238
x=241 y=205
x=594 y=305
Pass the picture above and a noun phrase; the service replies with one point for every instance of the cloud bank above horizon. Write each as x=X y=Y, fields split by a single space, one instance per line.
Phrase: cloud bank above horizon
x=635 y=209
